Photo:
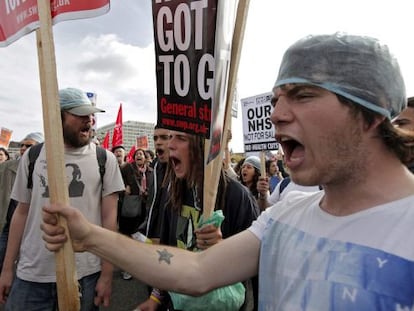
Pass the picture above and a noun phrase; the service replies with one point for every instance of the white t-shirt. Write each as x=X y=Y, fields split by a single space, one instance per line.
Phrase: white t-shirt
x=311 y=260
x=36 y=263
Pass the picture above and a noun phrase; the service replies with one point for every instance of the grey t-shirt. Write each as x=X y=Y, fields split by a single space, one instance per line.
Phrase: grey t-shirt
x=36 y=263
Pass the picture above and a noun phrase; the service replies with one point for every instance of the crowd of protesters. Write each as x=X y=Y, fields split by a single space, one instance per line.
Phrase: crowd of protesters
x=154 y=176
x=154 y=179
x=261 y=221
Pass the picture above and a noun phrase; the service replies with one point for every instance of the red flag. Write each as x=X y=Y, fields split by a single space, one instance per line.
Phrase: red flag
x=117 y=136
x=105 y=143
x=18 y=18
x=130 y=156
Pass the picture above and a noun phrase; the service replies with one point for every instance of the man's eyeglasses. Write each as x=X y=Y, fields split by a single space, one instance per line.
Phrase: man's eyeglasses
x=26 y=145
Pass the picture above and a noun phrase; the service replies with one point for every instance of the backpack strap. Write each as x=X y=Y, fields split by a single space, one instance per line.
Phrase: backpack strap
x=283 y=184
x=101 y=157
x=34 y=152
x=33 y=155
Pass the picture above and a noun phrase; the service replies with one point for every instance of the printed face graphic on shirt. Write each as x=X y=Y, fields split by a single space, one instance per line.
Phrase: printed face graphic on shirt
x=76 y=186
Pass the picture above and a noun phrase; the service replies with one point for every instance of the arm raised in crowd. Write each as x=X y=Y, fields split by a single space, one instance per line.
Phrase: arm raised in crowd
x=170 y=268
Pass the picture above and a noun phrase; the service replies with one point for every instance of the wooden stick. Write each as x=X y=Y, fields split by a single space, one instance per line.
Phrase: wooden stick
x=213 y=169
x=66 y=277
x=237 y=44
x=262 y=164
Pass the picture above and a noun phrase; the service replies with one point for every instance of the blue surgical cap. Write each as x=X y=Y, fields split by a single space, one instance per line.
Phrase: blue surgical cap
x=358 y=68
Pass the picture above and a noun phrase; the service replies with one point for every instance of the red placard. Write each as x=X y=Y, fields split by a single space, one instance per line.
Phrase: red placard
x=142 y=142
x=20 y=17
x=5 y=136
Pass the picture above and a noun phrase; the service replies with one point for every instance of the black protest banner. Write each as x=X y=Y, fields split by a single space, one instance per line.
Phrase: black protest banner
x=184 y=33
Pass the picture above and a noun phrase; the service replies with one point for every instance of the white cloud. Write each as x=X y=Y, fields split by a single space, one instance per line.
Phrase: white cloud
x=116 y=71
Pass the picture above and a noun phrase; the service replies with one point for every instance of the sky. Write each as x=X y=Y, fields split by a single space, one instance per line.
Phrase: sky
x=113 y=55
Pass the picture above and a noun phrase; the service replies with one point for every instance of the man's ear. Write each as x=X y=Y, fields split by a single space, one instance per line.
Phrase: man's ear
x=375 y=123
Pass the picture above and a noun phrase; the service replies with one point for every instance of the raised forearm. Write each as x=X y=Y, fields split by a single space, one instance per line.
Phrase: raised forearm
x=178 y=270
x=156 y=265
x=160 y=266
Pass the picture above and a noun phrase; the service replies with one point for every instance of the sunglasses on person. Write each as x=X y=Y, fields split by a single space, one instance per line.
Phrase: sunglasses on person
x=26 y=145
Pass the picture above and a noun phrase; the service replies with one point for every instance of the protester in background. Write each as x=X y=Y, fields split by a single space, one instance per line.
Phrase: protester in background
x=405 y=121
x=8 y=174
x=185 y=205
x=285 y=186
x=34 y=287
x=250 y=176
x=347 y=247
x=4 y=155
x=119 y=152
x=250 y=173
x=157 y=186
x=149 y=156
x=136 y=176
x=281 y=163
x=8 y=171
x=273 y=174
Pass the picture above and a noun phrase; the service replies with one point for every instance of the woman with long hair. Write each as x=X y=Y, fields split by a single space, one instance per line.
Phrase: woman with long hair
x=184 y=206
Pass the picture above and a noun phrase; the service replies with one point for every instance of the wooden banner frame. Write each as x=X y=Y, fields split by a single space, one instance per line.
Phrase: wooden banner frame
x=66 y=276
x=213 y=168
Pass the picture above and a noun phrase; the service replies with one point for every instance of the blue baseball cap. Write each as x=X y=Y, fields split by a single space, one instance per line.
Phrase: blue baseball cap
x=76 y=102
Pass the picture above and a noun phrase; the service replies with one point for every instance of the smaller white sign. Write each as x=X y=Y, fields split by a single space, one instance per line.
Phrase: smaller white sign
x=258 y=130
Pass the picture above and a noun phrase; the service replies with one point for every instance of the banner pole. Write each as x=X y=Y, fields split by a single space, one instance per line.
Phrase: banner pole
x=213 y=169
x=66 y=276
x=263 y=164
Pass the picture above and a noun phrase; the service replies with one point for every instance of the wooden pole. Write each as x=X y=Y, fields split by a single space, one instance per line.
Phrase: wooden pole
x=237 y=44
x=262 y=164
x=66 y=277
x=213 y=169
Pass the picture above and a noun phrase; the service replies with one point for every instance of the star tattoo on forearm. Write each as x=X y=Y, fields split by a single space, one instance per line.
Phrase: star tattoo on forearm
x=164 y=256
